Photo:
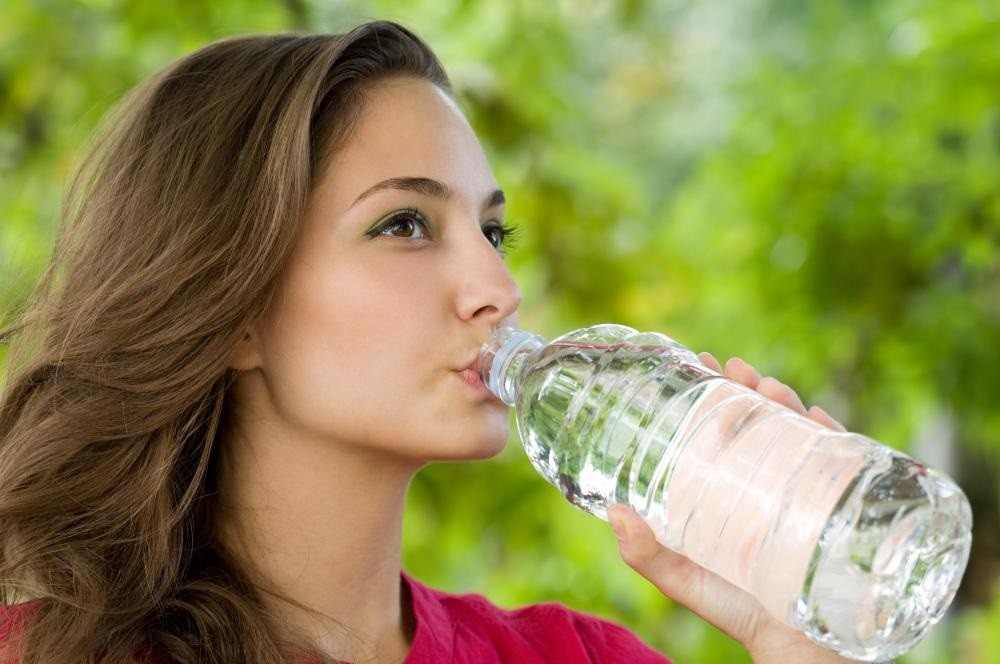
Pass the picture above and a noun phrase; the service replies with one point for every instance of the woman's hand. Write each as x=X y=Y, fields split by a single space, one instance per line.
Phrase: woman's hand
x=724 y=605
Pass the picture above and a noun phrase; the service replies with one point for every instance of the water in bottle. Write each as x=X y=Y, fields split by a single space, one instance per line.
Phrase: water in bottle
x=859 y=546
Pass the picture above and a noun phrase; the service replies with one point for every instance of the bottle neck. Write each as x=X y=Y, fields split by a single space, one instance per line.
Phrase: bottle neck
x=501 y=358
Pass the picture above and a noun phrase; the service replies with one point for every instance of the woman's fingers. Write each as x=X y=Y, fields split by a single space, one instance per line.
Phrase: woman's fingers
x=740 y=371
x=775 y=390
x=709 y=361
x=819 y=415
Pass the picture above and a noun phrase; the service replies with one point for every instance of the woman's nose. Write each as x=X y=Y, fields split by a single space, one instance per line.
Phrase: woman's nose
x=486 y=288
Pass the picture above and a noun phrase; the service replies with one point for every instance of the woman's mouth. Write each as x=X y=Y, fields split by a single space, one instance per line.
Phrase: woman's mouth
x=473 y=380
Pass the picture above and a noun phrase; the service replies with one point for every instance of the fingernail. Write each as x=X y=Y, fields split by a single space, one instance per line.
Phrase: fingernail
x=707 y=359
x=740 y=362
x=798 y=399
x=836 y=424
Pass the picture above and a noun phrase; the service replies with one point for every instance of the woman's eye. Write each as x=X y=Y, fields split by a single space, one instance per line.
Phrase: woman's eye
x=501 y=237
x=408 y=223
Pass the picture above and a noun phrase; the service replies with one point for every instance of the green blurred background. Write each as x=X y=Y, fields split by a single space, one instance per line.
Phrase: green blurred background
x=811 y=186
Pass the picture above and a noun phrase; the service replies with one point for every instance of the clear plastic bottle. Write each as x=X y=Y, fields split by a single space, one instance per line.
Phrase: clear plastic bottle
x=857 y=545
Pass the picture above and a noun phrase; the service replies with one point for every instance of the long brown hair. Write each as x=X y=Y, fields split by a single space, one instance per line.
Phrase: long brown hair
x=176 y=230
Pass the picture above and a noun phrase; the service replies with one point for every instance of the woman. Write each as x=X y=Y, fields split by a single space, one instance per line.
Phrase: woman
x=276 y=267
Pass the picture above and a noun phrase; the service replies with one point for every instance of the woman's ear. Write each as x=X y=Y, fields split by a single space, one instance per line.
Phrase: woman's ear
x=246 y=355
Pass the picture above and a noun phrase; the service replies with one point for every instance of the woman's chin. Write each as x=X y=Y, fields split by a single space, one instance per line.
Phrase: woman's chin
x=474 y=450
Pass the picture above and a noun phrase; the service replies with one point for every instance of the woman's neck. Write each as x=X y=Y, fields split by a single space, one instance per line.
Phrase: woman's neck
x=321 y=524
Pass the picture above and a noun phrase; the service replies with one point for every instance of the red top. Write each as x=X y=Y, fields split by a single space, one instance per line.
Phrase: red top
x=469 y=629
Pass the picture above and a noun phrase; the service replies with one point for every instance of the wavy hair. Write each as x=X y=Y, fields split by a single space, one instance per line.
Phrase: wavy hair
x=175 y=232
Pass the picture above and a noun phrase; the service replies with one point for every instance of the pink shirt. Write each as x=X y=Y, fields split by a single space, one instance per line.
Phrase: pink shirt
x=469 y=629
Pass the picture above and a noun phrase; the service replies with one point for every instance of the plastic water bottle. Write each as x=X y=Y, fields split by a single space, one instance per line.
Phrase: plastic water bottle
x=857 y=545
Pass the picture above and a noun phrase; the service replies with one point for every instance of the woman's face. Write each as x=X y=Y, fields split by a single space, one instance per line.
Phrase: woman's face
x=394 y=285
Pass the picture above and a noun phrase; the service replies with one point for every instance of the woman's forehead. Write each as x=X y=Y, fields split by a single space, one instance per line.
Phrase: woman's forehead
x=409 y=128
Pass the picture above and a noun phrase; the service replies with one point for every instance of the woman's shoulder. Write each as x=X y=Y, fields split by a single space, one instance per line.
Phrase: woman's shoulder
x=14 y=617
x=13 y=620
x=549 y=631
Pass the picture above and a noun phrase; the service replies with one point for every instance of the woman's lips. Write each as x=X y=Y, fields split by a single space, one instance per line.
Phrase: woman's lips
x=473 y=380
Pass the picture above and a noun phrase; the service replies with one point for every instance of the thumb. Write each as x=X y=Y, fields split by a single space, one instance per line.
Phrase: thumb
x=673 y=574
x=708 y=595
x=636 y=540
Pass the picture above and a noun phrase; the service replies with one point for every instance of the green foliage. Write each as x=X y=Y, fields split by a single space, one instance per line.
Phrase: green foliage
x=812 y=186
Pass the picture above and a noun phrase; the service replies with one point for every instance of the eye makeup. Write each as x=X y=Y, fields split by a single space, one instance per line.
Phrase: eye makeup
x=412 y=221
x=400 y=219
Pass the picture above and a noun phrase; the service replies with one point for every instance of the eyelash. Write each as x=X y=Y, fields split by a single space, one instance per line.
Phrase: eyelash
x=507 y=240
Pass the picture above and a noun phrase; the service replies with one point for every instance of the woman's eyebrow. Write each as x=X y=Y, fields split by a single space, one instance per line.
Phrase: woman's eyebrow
x=425 y=186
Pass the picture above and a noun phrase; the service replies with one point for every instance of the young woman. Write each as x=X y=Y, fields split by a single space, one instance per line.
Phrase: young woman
x=274 y=274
